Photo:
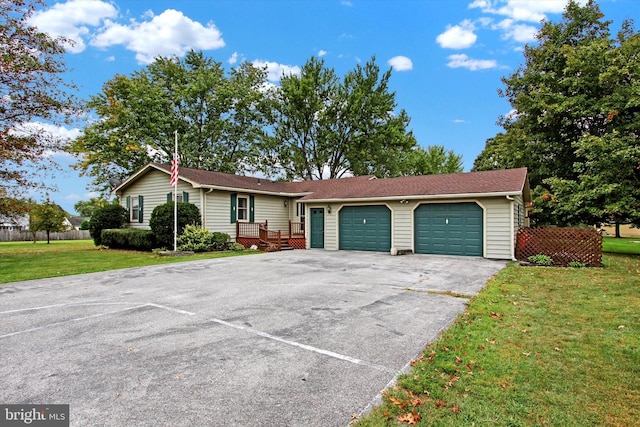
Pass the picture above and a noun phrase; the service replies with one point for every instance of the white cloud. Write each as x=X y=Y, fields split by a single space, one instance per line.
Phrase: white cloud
x=346 y=3
x=522 y=10
x=73 y=19
x=54 y=136
x=463 y=61
x=274 y=70
x=322 y=53
x=401 y=63
x=459 y=36
x=110 y=58
x=460 y=121
x=167 y=34
x=233 y=58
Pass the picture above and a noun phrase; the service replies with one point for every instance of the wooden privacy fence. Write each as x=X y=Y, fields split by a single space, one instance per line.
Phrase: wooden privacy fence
x=24 y=236
x=563 y=245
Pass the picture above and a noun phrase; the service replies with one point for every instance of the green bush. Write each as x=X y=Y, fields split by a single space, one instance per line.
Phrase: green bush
x=128 y=238
x=220 y=240
x=84 y=225
x=199 y=239
x=161 y=221
x=236 y=247
x=109 y=216
x=195 y=239
x=540 y=259
x=577 y=264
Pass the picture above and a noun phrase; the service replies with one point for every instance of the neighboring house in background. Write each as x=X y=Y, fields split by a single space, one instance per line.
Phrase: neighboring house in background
x=73 y=222
x=474 y=214
x=17 y=223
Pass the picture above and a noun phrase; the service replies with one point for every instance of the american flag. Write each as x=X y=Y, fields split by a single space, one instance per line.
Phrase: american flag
x=174 y=172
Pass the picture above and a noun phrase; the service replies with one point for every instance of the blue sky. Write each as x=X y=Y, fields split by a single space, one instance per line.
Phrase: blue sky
x=448 y=56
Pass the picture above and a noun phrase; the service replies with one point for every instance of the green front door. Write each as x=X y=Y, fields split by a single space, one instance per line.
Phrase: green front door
x=317 y=228
x=365 y=228
x=448 y=229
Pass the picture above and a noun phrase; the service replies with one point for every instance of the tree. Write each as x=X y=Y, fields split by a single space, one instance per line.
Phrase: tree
x=87 y=208
x=576 y=121
x=31 y=89
x=218 y=118
x=325 y=128
x=47 y=217
x=434 y=160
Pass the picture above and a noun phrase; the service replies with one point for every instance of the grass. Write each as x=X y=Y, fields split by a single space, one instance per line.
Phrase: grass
x=623 y=245
x=537 y=347
x=28 y=260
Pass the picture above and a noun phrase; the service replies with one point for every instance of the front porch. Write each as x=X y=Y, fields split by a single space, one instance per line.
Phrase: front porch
x=258 y=233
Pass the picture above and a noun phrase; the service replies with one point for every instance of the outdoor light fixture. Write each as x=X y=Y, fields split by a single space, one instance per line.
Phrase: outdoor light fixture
x=285 y=203
x=328 y=208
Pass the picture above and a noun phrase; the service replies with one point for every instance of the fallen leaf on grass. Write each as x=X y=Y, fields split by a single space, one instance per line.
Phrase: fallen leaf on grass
x=410 y=417
x=455 y=409
x=440 y=403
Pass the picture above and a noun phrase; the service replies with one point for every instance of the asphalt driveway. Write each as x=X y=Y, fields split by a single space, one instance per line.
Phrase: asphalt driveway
x=299 y=338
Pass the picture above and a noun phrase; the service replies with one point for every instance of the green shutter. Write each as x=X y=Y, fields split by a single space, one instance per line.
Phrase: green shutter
x=169 y=197
x=251 y=206
x=128 y=205
x=234 y=202
x=185 y=197
x=140 y=200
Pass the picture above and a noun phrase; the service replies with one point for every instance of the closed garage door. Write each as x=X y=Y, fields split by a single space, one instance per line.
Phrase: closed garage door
x=448 y=229
x=365 y=228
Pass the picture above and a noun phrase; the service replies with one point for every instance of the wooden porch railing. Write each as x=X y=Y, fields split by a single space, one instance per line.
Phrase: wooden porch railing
x=296 y=229
x=272 y=239
x=249 y=229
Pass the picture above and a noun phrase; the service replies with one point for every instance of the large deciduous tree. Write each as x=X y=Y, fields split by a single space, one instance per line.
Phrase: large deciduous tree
x=218 y=118
x=325 y=127
x=576 y=121
x=31 y=89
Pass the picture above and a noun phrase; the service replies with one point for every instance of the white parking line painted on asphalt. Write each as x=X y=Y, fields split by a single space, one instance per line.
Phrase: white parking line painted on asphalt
x=305 y=346
x=69 y=304
x=77 y=319
x=176 y=310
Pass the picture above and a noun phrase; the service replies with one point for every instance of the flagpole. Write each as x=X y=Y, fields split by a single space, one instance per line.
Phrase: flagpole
x=175 y=198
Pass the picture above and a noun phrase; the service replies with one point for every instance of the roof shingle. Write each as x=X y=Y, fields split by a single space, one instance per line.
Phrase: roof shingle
x=362 y=187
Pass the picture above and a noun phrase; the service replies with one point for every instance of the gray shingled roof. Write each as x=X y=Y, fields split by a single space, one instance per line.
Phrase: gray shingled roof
x=508 y=181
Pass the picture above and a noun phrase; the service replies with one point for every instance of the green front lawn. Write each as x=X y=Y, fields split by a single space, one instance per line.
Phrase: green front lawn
x=538 y=346
x=28 y=260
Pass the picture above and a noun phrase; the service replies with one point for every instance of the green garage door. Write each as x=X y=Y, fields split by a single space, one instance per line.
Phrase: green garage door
x=365 y=228
x=448 y=229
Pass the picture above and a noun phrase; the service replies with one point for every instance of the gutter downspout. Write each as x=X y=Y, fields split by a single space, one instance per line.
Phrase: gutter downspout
x=512 y=227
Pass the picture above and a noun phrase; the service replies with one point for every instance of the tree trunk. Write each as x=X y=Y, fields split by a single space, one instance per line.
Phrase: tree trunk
x=47 y=237
x=618 y=230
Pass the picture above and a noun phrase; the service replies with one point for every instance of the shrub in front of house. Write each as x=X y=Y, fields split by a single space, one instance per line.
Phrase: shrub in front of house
x=84 y=225
x=106 y=217
x=221 y=241
x=199 y=239
x=161 y=221
x=195 y=239
x=128 y=238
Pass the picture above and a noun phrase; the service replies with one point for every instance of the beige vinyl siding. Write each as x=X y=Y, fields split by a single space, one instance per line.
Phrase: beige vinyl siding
x=402 y=224
x=218 y=213
x=330 y=227
x=266 y=208
x=498 y=230
x=272 y=208
x=154 y=186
